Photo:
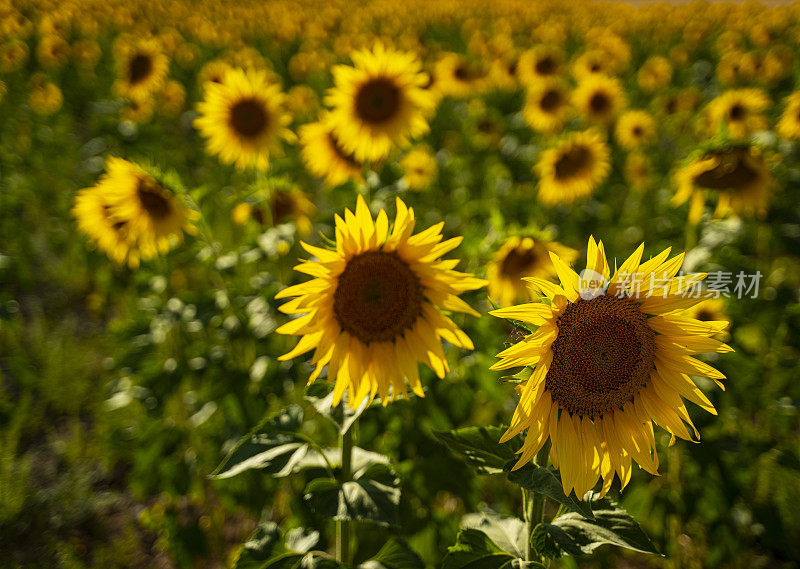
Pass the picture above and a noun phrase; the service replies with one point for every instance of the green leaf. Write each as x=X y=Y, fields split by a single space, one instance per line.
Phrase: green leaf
x=395 y=554
x=475 y=550
x=320 y=395
x=259 y=547
x=576 y=535
x=506 y=532
x=313 y=560
x=372 y=496
x=547 y=481
x=301 y=540
x=480 y=447
x=272 y=446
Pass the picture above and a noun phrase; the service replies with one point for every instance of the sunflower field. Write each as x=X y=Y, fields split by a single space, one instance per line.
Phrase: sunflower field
x=399 y=285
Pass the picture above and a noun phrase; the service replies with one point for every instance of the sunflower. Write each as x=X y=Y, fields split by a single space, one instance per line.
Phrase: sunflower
x=45 y=97
x=788 y=126
x=141 y=69
x=710 y=310
x=137 y=110
x=92 y=212
x=573 y=168
x=372 y=310
x=654 y=74
x=637 y=171
x=547 y=105
x=324 y=155
x=274 y=201
x=213 y=72
x=520 y=257
x=419 y=168
x=611 y=359
x=599 y=98
x=147 y=206
x=540 y=62
x=171 y=98
x=13 y=55
x=243 y=119
x=454 y=76
x=740 y=110
x=635 y=129
x=589 y=63
x=379 y=103
x=53 y=51
x=737 y=174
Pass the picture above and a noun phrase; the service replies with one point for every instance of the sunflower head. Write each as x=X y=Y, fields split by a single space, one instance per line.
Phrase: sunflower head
x=141 y=68
x=547 y=105
x=573 y=168
x=379 y=103
x=635 y=129
x=610 y=359
x=599 y=98
x=419 y=168
x=243 y=119
x=541 y=62
x=372 y=310
x=324 y=155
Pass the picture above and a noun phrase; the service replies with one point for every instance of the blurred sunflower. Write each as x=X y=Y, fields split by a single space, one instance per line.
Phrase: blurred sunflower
x=53 y=51
x=654 y=74
x=419 y=168
x=144 y=208
x=171 y=98
x=137 y=110
x=540 y=62
x=324 y=156
x=573 y=168
x=788 y=126
x=274 y=201
x=379 y=103
x=13 y=55
x=599 y=98
x=141 y=68
x=243 y=119
x=737 y=174
x=637 y=171
x=740 y=110
x=91 y=211
x=610 y=361
x=710 y=310
x=547 y=105
x=372 y=310
x=520 y=257
x=592 y=62
x=454 y=76
x=635 y=129
x=45 y=97
x=213 y=72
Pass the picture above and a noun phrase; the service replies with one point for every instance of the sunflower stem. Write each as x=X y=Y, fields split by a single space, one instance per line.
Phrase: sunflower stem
x=343 y=526
x=533 y=506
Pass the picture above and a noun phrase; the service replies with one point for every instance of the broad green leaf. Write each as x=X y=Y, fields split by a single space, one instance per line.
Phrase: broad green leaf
x=360 y=458
x=480 y=447
x=313 y=560
x=547 y=481
x=320 y=395
x=576 y=535
x=259 y=547
x=395 y=554
x=475 y=550
x=506 y=532
x=372 y=496
x=272 y=447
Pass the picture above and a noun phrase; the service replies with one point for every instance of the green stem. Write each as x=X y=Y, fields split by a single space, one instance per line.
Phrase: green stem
x=342 y=526
x=533 y=506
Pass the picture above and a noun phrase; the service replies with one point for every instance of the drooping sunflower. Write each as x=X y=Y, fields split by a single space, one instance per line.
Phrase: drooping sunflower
x=379 y=103
x=520 y=257
x=573 y=168
x=788 y=126
x=737 y=174
x=243 y=119
x=540 y=62
x=419 y=168
x=372 y=310
x=547 y=105
x=599 y=98
x=741 y=111
x=635 y=129
x=141 y=68
x=324 y=155
x=144 y=209
x=611 y=359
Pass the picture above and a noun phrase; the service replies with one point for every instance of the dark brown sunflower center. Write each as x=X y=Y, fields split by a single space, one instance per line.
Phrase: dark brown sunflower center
x=139 y=68
x=249 y=118
x=518 y=262
x=485 y=126
x=600 y=103
x=340 y=152
x=152 y=198
x=462 y=73
x=704 y=315
x=733 y=171
x=546 y=66
x=377 y=297
x=512 y=67
x=573 y=162
x=671 y=106
x=378 y=101
x=551 y=100
x=637 y=131
x=282 y=206
x=602 y=356
x=736 y=112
